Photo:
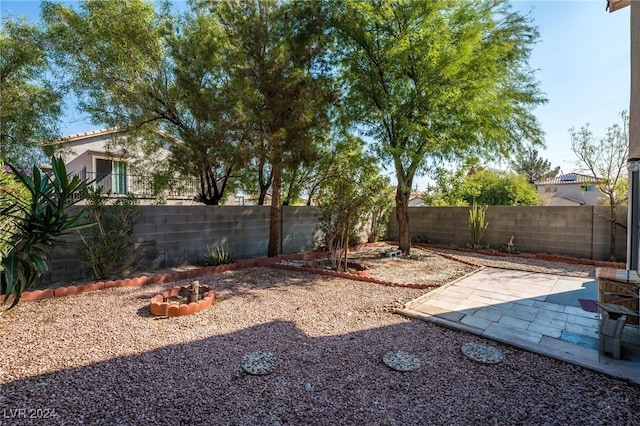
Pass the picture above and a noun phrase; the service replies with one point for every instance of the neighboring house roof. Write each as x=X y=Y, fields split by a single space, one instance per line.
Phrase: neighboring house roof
x=417 y=202
x=100 y=132
x=84 y=135
x=94 y=152
x=564 y=198
x=568 y=179
x=415 y=199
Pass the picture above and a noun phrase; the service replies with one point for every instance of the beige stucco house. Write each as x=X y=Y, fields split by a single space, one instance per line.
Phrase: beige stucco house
x=116 y=164
x=573 y=189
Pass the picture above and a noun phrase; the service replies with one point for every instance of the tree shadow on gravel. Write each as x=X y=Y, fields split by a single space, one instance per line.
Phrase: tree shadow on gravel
x=332 y=379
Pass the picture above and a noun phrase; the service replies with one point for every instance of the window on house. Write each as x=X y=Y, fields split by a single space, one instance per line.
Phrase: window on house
x=119 y=177
x=111 y=175
x=587 y=188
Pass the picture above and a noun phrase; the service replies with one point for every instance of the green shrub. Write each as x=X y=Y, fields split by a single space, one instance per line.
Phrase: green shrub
x=38 y=222
x=379 y=212
x=104 y=248
x=420 y=239
x=219 y=255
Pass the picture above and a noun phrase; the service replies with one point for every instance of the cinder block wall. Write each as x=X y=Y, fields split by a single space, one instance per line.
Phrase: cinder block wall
x=176 y=235
x=582 y=231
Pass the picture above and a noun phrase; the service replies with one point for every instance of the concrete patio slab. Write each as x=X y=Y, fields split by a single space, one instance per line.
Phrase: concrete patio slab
x=537 y=312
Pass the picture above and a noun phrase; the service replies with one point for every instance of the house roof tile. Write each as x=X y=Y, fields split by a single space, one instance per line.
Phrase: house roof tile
x=568 y=179
x=100 y=132
x=83 y=135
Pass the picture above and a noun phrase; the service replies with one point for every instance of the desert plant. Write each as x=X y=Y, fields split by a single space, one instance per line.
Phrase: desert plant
x=420 y=239
x=104 y=247
x=379 y=212
x=219 y=254
x=347 y=199
x=477 y=224
x=509 y=247
x=39 y=222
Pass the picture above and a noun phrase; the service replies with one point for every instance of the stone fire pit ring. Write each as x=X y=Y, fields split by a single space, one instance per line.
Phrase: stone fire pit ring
x=160 y=304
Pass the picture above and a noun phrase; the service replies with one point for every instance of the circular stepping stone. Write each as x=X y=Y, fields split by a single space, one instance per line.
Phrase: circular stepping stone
x=401 y=361
x=482 y=353
x=259 y=363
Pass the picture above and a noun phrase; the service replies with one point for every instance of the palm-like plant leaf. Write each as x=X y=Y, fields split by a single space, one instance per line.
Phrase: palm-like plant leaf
x=40 y=223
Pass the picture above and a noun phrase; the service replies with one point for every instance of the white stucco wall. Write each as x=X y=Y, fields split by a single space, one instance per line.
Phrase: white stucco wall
x=573 y=191
x=81 y=151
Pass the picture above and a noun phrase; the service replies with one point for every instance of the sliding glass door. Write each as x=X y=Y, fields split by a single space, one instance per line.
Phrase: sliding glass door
x=111 y=175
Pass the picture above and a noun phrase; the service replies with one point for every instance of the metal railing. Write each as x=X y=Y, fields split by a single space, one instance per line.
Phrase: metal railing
x=142 y=186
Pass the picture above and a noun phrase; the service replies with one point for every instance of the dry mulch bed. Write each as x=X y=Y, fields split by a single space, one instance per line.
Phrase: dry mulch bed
x=422 y=267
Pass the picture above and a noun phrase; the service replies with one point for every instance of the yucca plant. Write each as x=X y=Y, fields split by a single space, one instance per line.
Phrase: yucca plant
x=219 y=254
x=477 y=223
x=39 y=220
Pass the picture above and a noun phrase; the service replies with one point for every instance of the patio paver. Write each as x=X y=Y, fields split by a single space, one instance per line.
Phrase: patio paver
x=536 y=312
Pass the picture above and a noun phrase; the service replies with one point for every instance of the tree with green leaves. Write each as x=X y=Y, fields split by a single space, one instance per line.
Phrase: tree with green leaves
x=10 y=192
x=484 y=186
x=275 y=57
x=307 y=179
x=133 y=66
x=379 y=210
x=528 y=163
x=436 y=80
x=498 y=188
x=449 y=187
x=29 y=104
x=605 y=159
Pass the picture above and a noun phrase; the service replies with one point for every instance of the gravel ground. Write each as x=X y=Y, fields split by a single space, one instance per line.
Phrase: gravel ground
x=100 y=358
x=520 y=263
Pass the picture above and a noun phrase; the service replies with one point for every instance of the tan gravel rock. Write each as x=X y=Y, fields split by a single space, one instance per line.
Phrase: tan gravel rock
x=101 y=358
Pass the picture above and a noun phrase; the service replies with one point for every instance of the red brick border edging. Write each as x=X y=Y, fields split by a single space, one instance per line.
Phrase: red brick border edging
x=158 y=278
x=275 y=262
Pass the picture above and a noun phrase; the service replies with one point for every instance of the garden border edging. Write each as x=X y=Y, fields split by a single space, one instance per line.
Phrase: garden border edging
x=49 y=293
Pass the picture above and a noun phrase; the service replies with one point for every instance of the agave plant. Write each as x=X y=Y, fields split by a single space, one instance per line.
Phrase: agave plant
x=219 y=255
x=39 y=220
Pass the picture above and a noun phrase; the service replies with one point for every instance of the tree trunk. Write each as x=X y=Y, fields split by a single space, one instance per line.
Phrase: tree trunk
x=209 y=193
x=274 y=216
x=346 y=246
x=402 y=216
x=262 y=196
x=264 y=182
x=612 y=238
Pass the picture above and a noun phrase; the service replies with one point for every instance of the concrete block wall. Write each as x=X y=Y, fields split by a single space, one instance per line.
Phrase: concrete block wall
x=177 y=235
x=166 y=236
x=299 y=228
x=582 y=231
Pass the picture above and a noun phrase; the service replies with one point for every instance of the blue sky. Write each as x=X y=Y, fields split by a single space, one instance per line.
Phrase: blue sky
x=582 y=59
